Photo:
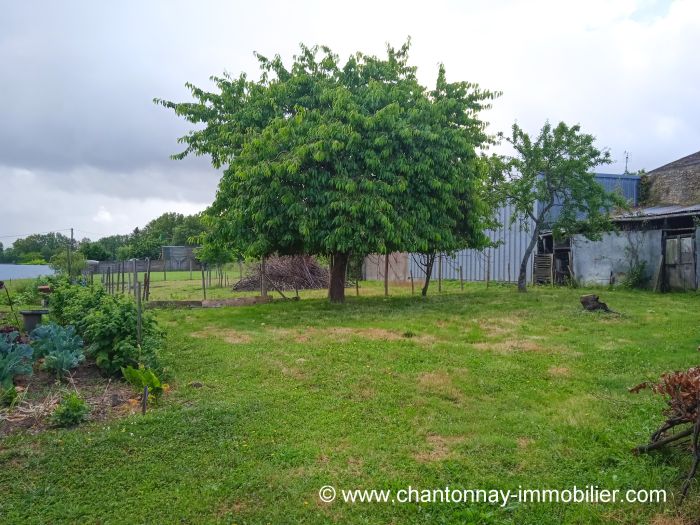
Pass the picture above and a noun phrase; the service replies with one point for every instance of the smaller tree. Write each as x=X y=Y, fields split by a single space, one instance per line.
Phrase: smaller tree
x=554 y=170
x=59 y=263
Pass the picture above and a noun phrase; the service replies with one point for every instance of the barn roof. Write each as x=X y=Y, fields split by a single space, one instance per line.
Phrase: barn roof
x=659 y=212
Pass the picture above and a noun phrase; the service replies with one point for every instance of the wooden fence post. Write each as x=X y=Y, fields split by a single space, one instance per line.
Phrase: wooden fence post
x=439 y=272
x=136 y=276
x=263 y=281
x=461 y=278
x=488 y=268
x=138 y=312
x=386 y=275
x=204 y=284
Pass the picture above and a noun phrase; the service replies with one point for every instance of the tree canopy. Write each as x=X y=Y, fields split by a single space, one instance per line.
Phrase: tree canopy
x=333 y=158
x=555 y=170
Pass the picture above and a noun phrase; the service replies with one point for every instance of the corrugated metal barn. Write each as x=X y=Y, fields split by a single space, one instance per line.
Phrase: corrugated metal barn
x=502 y=262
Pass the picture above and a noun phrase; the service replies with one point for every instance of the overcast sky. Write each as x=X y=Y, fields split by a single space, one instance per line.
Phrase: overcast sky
x=82 y=144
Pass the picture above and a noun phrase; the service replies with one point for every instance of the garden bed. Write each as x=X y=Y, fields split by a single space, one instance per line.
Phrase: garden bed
x=40 y=393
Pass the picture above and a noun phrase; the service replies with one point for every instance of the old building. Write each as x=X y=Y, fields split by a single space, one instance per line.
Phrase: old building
x=658 y=240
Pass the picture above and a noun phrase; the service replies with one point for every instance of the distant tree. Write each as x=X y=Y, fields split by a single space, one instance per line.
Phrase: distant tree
x=337 y=159
x=41 y=246
x=93 y=251
x=112 y=243
x=188 y=230
x=59 y=263
x=555 y=169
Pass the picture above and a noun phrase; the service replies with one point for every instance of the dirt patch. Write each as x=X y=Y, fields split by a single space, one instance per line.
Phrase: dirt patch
x=662 y=519
x=440 y=383
x=524 y=442
x=440 y=448
x=499 y=326
x=338 y=333
x=559 y=371
x=293 y=372
x=510 y=346
x=229 y=335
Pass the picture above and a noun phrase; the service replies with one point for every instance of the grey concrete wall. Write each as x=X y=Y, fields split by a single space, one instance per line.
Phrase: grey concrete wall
x=373 y=267
x=596 y=261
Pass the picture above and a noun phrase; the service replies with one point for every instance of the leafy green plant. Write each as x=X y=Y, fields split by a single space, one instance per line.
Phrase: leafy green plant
x=71 y=411
x=49 y=337
x=8 y=396
x=61 y=347
x=143 y=377
x=60 y=362
x=636 y=276
x=15 y=359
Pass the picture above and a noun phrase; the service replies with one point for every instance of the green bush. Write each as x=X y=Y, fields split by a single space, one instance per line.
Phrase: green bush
x=108 y=325
x=111 y=333
x=71 y=411
x=70 y=303
x=15 y=359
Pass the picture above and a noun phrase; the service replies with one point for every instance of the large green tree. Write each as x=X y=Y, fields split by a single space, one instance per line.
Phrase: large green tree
x=554 y=170
x=334 y=158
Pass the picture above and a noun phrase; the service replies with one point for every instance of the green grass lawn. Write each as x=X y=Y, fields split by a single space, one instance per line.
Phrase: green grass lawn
x=485 y=388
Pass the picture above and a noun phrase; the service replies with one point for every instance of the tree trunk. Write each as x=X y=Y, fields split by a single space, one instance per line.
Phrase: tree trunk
x=522 y=276
x=336 y=286
x=430 y=261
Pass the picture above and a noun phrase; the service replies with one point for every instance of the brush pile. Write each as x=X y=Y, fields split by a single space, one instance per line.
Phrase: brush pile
x=681 y=391
x=293 y=272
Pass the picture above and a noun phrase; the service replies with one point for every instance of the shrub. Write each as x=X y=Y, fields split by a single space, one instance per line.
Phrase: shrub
x=108 y=324
x=111 y=333
x=69 y=303
x=15 y=359
x=71 y=411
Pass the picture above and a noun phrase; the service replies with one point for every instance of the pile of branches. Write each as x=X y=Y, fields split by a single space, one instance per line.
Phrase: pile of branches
x=292 y=272
x=682 y=393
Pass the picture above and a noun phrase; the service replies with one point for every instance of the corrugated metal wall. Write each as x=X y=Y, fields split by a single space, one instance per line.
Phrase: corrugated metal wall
x=504 y=259
x=625 y=185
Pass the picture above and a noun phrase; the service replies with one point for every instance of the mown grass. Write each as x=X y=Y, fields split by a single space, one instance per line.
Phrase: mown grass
x=485 y=388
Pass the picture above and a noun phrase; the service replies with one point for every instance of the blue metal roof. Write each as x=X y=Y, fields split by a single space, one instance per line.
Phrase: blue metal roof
x=627 y=185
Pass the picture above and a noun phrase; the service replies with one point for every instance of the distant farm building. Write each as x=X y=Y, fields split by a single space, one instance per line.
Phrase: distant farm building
x=178 y=258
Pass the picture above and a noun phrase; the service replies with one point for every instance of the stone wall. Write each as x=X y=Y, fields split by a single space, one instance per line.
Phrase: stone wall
x=676 y=183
